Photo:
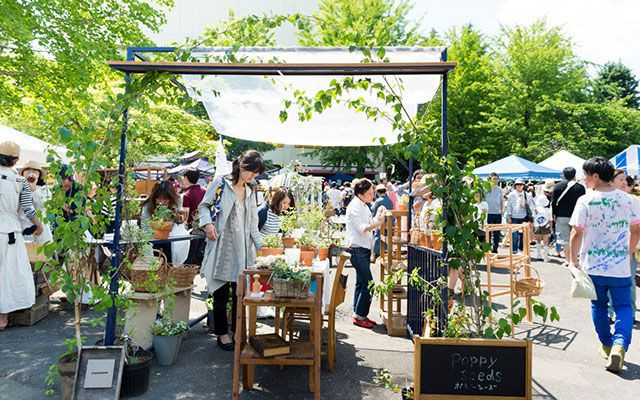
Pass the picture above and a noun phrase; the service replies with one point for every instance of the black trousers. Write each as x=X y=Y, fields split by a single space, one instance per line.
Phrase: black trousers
x=220 y=299
x=494 y=236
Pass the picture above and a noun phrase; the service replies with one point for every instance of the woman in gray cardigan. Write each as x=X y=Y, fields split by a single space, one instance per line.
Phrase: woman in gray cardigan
x=232 y=239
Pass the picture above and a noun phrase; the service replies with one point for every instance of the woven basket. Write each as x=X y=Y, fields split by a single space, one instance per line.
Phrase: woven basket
x=291 y=288
x=32 y=252
x=182 y=275
x=527 y=287
x=148 y=273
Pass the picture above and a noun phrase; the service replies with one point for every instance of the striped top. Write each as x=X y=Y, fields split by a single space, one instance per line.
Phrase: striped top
x=25 y=196
x=272 y=224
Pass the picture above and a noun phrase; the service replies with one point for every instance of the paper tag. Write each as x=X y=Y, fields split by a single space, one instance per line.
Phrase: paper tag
x=257 y=295
x=99 y=374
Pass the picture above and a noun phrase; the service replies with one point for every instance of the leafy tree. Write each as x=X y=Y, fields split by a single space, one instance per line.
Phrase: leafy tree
x=533 y=65
x=617 y=81
x=55 y=51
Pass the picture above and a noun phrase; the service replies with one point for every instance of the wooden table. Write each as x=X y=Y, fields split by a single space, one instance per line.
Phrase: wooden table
x=303 y=352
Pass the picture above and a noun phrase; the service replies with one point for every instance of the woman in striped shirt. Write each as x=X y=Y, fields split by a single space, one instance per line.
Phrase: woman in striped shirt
x=269 y=213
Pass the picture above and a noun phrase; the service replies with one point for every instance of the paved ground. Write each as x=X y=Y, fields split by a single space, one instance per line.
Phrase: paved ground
x=565 y=363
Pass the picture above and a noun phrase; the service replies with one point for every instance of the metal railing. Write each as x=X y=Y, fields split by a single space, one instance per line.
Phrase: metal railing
x=431 y=268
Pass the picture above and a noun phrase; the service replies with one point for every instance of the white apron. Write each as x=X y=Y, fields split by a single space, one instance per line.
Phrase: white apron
x=17 y=289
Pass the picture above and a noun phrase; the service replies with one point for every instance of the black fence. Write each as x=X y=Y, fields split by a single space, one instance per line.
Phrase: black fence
x=431 y=269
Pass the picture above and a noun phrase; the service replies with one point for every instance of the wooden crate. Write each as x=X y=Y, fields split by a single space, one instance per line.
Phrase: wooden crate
x=31 y=315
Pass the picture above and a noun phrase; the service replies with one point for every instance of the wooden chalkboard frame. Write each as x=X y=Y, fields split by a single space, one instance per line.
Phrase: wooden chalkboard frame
x=419 y=341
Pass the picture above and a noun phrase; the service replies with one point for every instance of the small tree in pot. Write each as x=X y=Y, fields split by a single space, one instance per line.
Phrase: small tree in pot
x=161 y=222
x=290 y=222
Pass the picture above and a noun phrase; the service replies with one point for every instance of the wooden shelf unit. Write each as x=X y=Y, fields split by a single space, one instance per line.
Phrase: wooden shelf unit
x=509 y=261
x=393 y=257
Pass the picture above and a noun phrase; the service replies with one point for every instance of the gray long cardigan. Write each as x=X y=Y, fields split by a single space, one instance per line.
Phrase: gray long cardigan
x=211 y=265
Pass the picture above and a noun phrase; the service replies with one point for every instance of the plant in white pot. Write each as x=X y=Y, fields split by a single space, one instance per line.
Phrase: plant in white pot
x=167 y=336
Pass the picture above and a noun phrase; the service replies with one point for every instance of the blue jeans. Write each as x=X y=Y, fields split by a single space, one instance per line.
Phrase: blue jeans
x=494 y=237
x=362 y=297
x=620 y=291
x=634 y=268
x=516 y=239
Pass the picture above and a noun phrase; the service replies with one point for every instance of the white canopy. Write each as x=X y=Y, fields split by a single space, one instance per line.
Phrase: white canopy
x=248 y=107
x=563 y=159
x=31 y=148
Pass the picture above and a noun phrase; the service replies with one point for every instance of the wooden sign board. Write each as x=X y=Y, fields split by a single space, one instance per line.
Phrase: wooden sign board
x=98 y=373
x=447 y=369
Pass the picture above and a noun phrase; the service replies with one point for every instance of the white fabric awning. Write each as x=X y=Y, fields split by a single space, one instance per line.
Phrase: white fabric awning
x=248 y=107
x=563 y=159
x=31 y=148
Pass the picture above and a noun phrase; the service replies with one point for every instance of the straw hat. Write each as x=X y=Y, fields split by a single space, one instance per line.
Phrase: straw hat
x=519 y=181
x=31 y=164
x=10 y=149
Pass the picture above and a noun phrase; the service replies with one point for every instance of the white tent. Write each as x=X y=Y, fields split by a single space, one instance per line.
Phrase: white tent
x=248 y=107
x=563 y=159
x=31 y=148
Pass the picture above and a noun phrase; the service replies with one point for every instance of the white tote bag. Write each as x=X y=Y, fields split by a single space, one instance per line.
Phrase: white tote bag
x=180 y=249
x=581 y=285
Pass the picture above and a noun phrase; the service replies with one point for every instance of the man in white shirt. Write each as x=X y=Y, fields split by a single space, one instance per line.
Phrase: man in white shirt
x=606 y=229
x=334 y=195
x=360 y=225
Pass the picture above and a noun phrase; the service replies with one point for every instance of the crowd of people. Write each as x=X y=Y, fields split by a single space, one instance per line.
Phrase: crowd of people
x=595 y=225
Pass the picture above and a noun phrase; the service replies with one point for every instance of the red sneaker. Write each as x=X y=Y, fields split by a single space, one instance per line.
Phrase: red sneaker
x=370 y=321
x=363 y=323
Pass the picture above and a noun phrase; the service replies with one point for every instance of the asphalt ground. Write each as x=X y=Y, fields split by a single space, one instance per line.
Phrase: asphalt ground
x=565 y=361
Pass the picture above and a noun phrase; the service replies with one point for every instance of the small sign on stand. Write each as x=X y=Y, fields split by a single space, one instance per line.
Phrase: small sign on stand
x=472 y=369
x=99 y=373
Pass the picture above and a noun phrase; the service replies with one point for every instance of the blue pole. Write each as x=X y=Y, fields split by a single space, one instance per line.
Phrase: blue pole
x=445 y=139
x=110 y=329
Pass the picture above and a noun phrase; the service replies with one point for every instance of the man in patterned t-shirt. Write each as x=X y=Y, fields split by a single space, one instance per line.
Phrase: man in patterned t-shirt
x=606 y=229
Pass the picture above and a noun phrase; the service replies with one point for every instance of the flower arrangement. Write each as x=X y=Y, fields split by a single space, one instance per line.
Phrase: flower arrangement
x=284 y=272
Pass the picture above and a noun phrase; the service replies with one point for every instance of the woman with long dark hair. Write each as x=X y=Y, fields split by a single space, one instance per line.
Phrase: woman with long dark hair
x=229 y=216
x=162 y=194
x=269 y=213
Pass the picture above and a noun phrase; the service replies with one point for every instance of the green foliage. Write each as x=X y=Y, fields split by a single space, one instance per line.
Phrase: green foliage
x=272 y=241
x=162 y=214
x=290 y=222
x=167 y=327
x=616 y=81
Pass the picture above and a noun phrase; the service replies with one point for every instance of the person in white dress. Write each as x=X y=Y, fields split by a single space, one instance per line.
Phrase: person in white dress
x=17 y=290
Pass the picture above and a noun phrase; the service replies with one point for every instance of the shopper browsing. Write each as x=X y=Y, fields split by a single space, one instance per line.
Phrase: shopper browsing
x=360 y=225
x=606 y=229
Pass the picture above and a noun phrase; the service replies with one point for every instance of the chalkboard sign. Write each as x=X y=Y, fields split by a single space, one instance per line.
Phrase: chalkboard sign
x=475 y=368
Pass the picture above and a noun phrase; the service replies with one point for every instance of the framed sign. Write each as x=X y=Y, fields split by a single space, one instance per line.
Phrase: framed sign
x=98 y=373
x=472 y=368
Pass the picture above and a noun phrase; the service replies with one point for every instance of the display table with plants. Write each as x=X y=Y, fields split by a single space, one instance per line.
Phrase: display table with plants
x=302 y=352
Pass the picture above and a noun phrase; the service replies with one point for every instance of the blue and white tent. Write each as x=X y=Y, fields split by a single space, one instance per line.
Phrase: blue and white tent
x=514 y=167
x=628 y=160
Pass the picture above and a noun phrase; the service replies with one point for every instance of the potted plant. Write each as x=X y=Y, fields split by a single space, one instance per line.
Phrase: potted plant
x=161 y=222
x=436 y=239
x=271 y=246
x=323 y=251
x=167 y=336
x=290 y=280
x=307 y=250
x=137 y=368
x=290 y=222
x=403 y=203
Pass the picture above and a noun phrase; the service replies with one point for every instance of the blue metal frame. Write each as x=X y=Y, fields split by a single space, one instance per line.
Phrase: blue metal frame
x=132 y=53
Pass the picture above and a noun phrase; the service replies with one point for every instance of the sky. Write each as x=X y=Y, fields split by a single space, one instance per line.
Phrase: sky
x=602 y=30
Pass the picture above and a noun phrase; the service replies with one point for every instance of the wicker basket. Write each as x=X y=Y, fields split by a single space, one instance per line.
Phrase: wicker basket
x=148 y=273
x=527 y=287
x=32 y=252
x=290 y=288
x=182 y=275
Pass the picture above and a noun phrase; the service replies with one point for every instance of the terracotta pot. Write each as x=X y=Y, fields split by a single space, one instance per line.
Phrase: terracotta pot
x=436 y=241
x=288 y=242
x=423 y=239
x=307 y=248
x=161 y=230
x=403 y=207
x=270 y=251
x=306 y=258
x=323 y=253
